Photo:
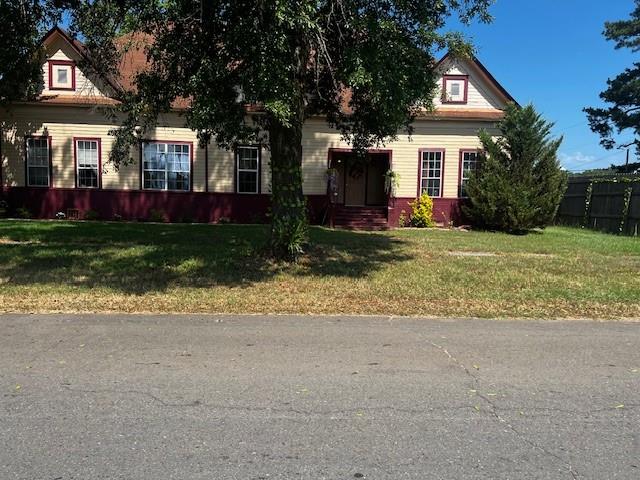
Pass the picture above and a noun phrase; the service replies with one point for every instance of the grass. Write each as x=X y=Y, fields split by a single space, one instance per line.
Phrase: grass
x=122 y=267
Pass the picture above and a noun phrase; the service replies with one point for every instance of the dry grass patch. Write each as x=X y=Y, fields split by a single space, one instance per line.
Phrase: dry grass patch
x=100 y=267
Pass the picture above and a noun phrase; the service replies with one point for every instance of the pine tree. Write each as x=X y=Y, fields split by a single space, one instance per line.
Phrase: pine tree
x=519 y=184
x=623 y=92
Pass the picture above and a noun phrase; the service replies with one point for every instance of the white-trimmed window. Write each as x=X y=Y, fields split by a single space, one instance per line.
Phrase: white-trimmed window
x=455 y=88
x=62 y=75
x=468 y=163
x=88 y=162
x=38 y=173
x=166 y=166
x=248 y=170
x=431 y=162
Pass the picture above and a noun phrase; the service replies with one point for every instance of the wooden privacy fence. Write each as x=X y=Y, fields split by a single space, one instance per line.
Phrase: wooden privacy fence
x=609 y=204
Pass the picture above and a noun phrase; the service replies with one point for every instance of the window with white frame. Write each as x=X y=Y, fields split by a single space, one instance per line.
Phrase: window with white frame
x=166 y=166
x=88 y=163
x=38 y=174
x=248 y=169
x=469 y=163
x=431 y=172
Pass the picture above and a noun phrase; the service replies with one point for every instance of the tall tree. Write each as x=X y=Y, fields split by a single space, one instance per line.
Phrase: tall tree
x=24 y=22
x=623 y=92
x=519 y=184
x=368 y=66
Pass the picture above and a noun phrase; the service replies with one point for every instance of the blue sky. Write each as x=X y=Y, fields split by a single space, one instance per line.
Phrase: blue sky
x=552 y=53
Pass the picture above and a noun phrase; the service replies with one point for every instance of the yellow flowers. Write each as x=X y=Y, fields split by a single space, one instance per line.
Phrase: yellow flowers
x=422 y=211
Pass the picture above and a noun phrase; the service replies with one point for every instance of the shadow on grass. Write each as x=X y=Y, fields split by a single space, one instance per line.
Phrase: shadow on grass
x=143 y=258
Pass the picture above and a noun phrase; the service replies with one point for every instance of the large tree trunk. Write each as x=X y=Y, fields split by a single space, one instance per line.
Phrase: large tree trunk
x=289 y=215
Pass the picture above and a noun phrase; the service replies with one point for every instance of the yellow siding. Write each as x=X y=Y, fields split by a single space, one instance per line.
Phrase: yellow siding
x=221 y=170
x=479 y=96
x=317 y=139
x=439 y=134
x=59 y=49
x=62 y=124
x=65 y=123
x=266 y=171
x=221 y=174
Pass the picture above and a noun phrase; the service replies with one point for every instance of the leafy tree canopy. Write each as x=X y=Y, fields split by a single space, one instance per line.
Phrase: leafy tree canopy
x=623 y=92
x=519 y=184
x=24 y=23
x=633 y=167
x=367 y=66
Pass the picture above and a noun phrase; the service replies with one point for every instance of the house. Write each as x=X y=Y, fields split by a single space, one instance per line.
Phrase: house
x=54 y=151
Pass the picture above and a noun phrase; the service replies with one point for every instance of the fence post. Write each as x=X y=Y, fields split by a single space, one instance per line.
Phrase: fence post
x=625 y=208
x=587 y=205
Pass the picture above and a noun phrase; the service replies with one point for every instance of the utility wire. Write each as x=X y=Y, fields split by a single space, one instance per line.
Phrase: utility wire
x=578 y=169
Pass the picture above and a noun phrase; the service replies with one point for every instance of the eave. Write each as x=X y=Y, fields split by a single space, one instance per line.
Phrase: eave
x=72 y=101
x=458 y=114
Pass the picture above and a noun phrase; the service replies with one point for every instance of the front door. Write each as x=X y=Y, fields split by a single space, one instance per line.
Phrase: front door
x=376 y=195
x=355 y=186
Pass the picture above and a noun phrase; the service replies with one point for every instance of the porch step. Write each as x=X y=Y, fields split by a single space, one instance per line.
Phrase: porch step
x=361 y=218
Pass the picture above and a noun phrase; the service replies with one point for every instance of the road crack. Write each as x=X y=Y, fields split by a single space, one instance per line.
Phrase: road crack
x=493 y=410
x=201 y=404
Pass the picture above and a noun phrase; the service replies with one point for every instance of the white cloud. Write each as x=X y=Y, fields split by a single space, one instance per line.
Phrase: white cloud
x=575 y=160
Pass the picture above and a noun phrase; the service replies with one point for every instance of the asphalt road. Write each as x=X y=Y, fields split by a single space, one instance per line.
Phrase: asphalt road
x=196 y=397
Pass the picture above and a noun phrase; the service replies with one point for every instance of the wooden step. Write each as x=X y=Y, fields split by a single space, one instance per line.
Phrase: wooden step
x=361 y=218
x=363 y=227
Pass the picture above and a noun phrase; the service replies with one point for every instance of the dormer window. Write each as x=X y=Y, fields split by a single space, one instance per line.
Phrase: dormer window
x=62 y=75
x=454 y=89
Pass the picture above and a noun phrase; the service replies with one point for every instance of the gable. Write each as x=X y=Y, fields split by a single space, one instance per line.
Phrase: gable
x=63 y=78
x=465 y=84
x=479 y=95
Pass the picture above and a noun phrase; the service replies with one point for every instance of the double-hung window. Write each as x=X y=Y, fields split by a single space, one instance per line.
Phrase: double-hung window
x=468 y=163
x=88 y=162
x=248 y=170
x=166 y=166
x=38 y=165
x=431 y=163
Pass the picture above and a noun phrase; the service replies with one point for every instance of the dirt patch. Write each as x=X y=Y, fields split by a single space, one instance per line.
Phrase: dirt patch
x=456 y=253
x=8 y=241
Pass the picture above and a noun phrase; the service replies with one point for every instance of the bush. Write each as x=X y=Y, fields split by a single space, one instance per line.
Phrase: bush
x=402 y=219
x=289 y=236
x=422 y=212
x=519 y=184
x=4 y=208
x=23 y=212
x=157 y=216
x=91 y=215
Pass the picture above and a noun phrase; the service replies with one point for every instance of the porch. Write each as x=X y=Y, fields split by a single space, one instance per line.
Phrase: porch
x=358 y=196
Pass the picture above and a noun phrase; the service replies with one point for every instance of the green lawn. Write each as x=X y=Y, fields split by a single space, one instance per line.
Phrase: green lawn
x=134 y=267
